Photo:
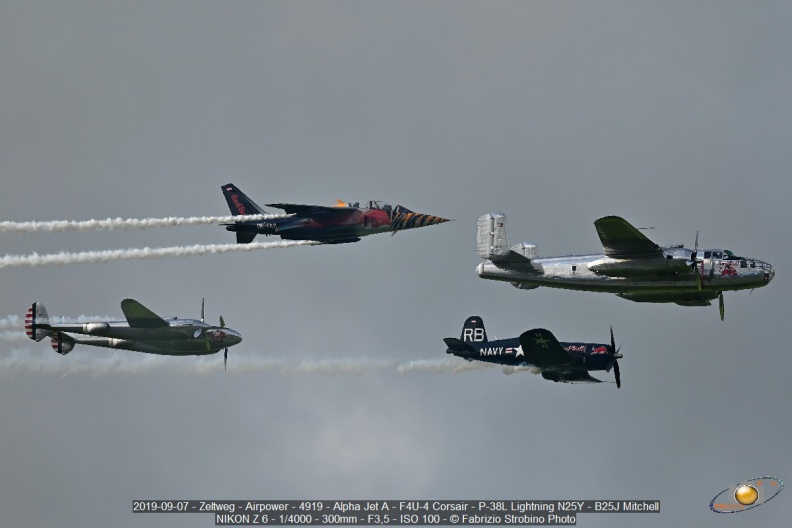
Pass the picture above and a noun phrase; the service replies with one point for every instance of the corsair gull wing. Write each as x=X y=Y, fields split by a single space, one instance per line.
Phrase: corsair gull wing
x=542 y=349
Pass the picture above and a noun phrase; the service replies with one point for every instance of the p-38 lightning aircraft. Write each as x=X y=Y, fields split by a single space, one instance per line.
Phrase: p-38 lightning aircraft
x=566 y=362
x=344 y=222
x=633 y=267
x=143 y=331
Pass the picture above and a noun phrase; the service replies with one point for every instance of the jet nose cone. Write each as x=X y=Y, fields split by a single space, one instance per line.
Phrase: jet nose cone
x=412 y=220
x=480 y=269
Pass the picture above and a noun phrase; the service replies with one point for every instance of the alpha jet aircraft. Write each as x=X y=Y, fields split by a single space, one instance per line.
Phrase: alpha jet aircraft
x=344 y=222
x=538 y=348
x=633 y=267
x=143 y=331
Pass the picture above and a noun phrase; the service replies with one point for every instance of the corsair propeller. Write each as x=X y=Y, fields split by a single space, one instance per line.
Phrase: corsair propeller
x=616 y=355
x=225 y=352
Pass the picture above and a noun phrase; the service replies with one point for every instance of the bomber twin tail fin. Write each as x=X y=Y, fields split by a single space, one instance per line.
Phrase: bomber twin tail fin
x=37 y=322
x=492 y=242
x=473 y=330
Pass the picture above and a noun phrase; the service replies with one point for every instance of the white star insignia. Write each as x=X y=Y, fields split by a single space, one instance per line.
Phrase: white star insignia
x=540 y=340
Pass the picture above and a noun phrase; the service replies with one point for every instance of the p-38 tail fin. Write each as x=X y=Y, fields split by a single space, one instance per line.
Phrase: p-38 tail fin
x=37 y=322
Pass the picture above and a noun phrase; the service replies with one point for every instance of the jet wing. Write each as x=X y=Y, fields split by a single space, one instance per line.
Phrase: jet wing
x=140 y=316
x=621 y=240
x=542 y=349
x=314 y=210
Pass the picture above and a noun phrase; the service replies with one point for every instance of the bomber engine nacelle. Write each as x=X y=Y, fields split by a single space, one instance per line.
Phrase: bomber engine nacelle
x=612 y=267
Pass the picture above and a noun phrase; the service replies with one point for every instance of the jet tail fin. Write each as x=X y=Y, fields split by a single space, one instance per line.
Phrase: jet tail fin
x=37 y=322
x=473 y=330
x=238 y=202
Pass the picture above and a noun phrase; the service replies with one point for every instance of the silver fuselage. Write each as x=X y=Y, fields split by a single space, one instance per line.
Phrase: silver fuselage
x=594 y=273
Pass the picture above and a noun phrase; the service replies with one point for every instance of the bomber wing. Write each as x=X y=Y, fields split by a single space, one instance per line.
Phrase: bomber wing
x=314 y=210
x=542 y=349
x=140 y=316
x=621 y=240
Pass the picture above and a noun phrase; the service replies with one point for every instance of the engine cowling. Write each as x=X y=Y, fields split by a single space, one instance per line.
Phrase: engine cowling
x=99 y=329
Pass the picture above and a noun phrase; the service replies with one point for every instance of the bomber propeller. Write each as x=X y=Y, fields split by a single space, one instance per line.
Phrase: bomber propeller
x=695 y=262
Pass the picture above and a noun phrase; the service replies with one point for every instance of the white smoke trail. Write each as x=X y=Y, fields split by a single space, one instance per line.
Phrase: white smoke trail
x=15 y=321
x=103 y=362
x=11 y=321
x=34 y=259
x=13 y=336
x=111 y=224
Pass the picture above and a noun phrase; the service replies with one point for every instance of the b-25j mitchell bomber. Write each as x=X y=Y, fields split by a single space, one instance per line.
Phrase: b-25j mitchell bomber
x=633 y=267
x=538 y=348
x=143 y=331
x=342 y=223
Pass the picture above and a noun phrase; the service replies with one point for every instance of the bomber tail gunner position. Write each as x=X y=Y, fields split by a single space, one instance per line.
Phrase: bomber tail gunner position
x=633 y=267
x=566 y=362
x=344 y=222
x=143 y=331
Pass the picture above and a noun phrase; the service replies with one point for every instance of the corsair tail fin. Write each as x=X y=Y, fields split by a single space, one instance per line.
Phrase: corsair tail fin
x=37 y=322
x=238 y=202
x=473 y=330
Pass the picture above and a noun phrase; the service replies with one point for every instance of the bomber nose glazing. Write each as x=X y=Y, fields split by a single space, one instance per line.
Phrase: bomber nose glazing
x=768 y=271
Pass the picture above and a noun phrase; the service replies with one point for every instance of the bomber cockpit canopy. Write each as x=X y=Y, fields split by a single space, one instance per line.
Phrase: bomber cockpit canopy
x=720 y=254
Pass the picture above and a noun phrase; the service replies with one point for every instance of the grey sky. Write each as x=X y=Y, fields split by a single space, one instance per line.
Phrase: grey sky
x=671 y=114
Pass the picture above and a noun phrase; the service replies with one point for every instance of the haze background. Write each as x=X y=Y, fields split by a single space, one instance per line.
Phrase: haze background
x=671 y=114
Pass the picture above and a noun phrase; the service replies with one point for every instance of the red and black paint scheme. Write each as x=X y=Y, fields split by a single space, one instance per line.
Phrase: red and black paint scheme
x=342 y=223
x=538 y=348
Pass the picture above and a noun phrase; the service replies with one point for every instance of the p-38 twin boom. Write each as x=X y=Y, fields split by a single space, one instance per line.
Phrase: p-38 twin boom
x=143 y=331
x=633 y=267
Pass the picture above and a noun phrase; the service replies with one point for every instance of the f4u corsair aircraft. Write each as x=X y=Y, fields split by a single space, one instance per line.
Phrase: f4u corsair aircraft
x=566 y=362
x=143 y=331
x=633 y=267
x=344 y=222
